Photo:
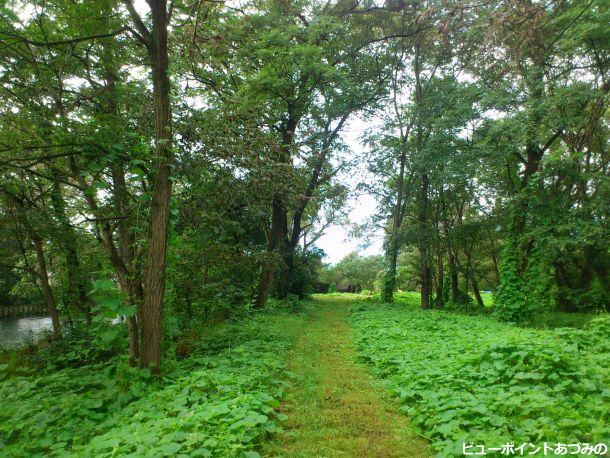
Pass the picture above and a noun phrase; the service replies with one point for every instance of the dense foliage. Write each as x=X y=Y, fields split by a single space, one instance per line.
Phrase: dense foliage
x=193 y=153
x=472 y=379
x=170 y=167
x=217 y=397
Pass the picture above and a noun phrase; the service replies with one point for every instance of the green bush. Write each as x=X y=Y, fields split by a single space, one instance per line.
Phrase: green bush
x=290 y=303
x=462 y=301
x=219 y=400
x=81 y=345
x=596 y=298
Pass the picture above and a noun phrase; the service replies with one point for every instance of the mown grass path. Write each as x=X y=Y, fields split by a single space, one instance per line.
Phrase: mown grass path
x=333 y=408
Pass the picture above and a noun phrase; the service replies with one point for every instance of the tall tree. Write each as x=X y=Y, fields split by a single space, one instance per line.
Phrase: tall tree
x=150 y=315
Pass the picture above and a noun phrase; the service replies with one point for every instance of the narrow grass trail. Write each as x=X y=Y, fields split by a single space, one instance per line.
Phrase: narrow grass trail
x=333 y=408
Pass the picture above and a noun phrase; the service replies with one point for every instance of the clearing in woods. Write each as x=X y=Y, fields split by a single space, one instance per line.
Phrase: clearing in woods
x=333 y=407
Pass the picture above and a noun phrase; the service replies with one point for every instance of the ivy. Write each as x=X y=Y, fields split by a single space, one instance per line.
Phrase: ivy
x=510 y=300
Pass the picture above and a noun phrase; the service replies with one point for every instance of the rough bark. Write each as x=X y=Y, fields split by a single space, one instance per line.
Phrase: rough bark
x=154 y=277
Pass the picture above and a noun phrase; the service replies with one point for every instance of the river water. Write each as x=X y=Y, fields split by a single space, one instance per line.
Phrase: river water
x=16 y=331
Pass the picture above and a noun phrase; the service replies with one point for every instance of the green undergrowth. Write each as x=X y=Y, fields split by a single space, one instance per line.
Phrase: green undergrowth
x=472 y=379
x=219 y=400
x=554 y=319
x=542 y=319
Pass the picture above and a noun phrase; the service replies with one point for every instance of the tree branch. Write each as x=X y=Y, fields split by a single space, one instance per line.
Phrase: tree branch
x=64 y=42
x=550 y=141
x=143 y=34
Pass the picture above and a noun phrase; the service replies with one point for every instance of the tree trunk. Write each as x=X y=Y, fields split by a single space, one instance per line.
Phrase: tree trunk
x=297 y=221
x=126 y=272
x=389 y=283
x=475 y=290
x=47 y=292
x=533 y=153
x=425 y=273
x=276 y=236
x=123 y=258
x=133 y=283
x=154 y=279
x=440 y=283
x=279 y=220
x=136 y=297
x=440 y=278
x=453 y=275
x=124 y=262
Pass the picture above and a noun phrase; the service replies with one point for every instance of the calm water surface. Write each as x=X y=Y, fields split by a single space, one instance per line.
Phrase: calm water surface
x=15 y=331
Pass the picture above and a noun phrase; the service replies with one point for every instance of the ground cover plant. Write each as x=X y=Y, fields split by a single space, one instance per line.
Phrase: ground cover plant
x=179 y=177
x=465 y=378
x=219 y=400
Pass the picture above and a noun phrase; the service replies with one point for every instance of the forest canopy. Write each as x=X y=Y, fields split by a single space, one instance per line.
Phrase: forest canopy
x=170 y=161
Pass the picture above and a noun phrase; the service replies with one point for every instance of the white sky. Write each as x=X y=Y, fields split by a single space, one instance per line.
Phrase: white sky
x=336 y=242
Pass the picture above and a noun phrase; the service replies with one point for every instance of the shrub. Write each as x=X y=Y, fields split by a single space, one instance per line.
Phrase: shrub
x=218 y=401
